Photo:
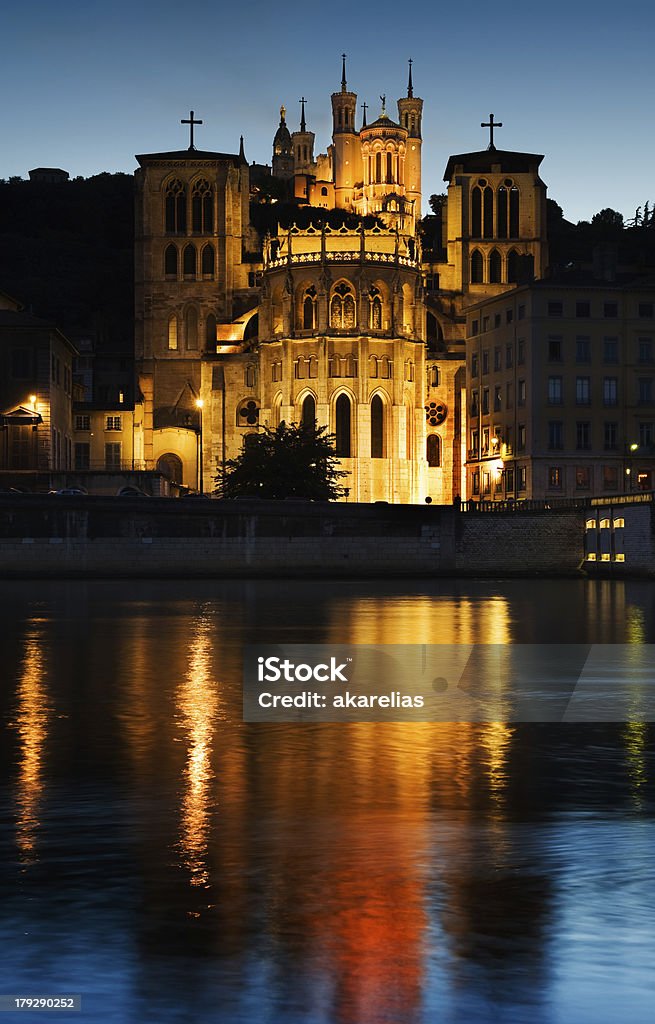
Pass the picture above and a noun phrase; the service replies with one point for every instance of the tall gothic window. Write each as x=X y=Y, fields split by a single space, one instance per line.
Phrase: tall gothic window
x=309 y=309
x=375 y=309
x=488 y=212
x=170 y=261
x=513 y=212
x=342 y=308
x=476 y=267
x=189 y=261
x=389 y=167
x=172 y=332
x=378 y=166
x=308 y=415
x=342 y=431
x=494 y=267
x=191 y=325
x=176 y=207
x=202 y=208
x=207 y=261
x=476 y=213
x=377 y=428
x=433 y=450
x=502 y=203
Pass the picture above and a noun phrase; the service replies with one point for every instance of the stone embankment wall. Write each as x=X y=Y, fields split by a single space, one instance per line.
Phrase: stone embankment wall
x=133 y=537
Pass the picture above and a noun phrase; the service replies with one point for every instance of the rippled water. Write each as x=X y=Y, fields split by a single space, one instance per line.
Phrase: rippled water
x=172 y=863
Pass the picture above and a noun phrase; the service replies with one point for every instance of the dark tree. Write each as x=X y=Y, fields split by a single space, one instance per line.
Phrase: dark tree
x=295 y=461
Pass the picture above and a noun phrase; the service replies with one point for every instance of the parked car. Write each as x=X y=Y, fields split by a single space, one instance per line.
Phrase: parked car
x=71 y=492
x=130 y=491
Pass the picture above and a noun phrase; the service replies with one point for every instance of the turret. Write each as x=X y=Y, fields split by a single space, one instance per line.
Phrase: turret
x=410 y=112
x=346 y=157
x=282 y=149
x=303 y=144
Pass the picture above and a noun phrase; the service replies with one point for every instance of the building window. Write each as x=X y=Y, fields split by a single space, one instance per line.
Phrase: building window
x=475 y=481
x=646 y=434
x=645 y=350
x=554 y=390
x=583 y=435
x=377 y=428
x=474 y=403
x=646 y=309
x=433 y=376
x=476 y=267
x=170 y=261
x=497 y=359
x=520 y=352
x=309 y=309
x=582 y=478
x=112 y=456
x=82 y=422
x=555 y=478
x=555 y=309
x=113 y=423
x=189 y=261
x=582 y=309
x=175 y=202
x=582 y=349
x=610 y=436
x=82 y=455
x=508 y=395
x=375 y=309
x=509 y=357
x=610 y=309
x=485 y=362
x=191 y=328
x=474 y=364
x=485 y=323
x=521 y=437
x=610 y=478
x=202 y=208
x=485 y=401
x=554 y=348
x=610 y=350
x=521 y=312
x=308 y=415
x=342 y=429
x=522 y=478
x=610 y=391
x=207 y=260
x=342 y=308
x=433 y=450
x=249 y=376
x=555 y=435
x=582 y=390
x=645 y=390
x=521 y=393
x=247 y=413
x=495 y=268
x=497 y=398
x=172 y=333
x=475 y=327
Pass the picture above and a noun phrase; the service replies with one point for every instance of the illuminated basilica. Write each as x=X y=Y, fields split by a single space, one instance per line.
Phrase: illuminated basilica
x=360 y=327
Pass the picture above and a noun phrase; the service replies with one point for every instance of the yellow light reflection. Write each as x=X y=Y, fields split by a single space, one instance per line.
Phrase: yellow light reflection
x=32 y=726
x=197 y=705
x=635 y=738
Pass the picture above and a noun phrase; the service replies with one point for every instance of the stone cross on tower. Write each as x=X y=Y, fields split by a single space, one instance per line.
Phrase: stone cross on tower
x=491 y=124
x=190 y=120
x=364 y=108
x=303 y=125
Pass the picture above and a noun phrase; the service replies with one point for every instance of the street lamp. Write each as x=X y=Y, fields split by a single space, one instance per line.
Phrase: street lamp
x=199 y=405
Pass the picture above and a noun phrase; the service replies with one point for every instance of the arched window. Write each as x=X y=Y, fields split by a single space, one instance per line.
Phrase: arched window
x=501 y=212
x=433 y=450
x=494 y=267
x=385 y=368
x=476 y=267
x=189 y=261
x=342 y=308
x=175 y=203
x=409 y=370
x=476 y=213
x=513 y=265
x=342 y=431
x=171 y=466
x=172 y=333
x=389 y=167
x=334 y=366
x=170 y=261
x=191 y=325
x=309 y=309
x=377 y=427
x=276 y=410
x=210 y=330
x=313 y=367
x=513 y=212
x=434 y=376
x=350 y=369
x=207 y=260
x=378 y=166
x=299 y=368
x=248 y=413
x=488 y=210
x=249 y=376
x=373 y=366
x=202 y=208
x=375 y=309
x=308 y=415
x=324 y=191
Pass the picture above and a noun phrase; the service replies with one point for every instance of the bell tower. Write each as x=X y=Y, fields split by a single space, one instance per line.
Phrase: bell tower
x=410 y=112
x=346 y=155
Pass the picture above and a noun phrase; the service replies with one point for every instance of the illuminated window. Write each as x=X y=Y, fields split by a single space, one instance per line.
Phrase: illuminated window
x=309 y=309
x=172 y=333
x=113 y=423
x=112 y=456
x=433 y=450
x=342 y=308
x=375 y=309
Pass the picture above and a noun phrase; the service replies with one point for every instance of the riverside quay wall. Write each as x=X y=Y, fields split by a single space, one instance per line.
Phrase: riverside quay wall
x=67 y=536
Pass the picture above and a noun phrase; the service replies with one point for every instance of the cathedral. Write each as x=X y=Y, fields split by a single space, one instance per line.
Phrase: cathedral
x=359 y=327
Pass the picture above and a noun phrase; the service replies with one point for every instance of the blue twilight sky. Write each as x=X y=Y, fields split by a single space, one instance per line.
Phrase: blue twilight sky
x=85 y=86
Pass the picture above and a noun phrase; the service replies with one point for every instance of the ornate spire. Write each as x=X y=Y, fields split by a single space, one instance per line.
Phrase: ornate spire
x=283 y=114
x=303 y=126
x=242 y=155
x=343 y=72
x=410 y=84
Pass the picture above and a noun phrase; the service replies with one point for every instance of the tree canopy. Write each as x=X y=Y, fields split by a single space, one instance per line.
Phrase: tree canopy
x=293 y=461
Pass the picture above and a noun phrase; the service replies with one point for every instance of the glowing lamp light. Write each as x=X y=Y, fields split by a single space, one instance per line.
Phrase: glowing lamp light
x=633 y=447
x=33 y=401
x=497 y=467
x=199 y=403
